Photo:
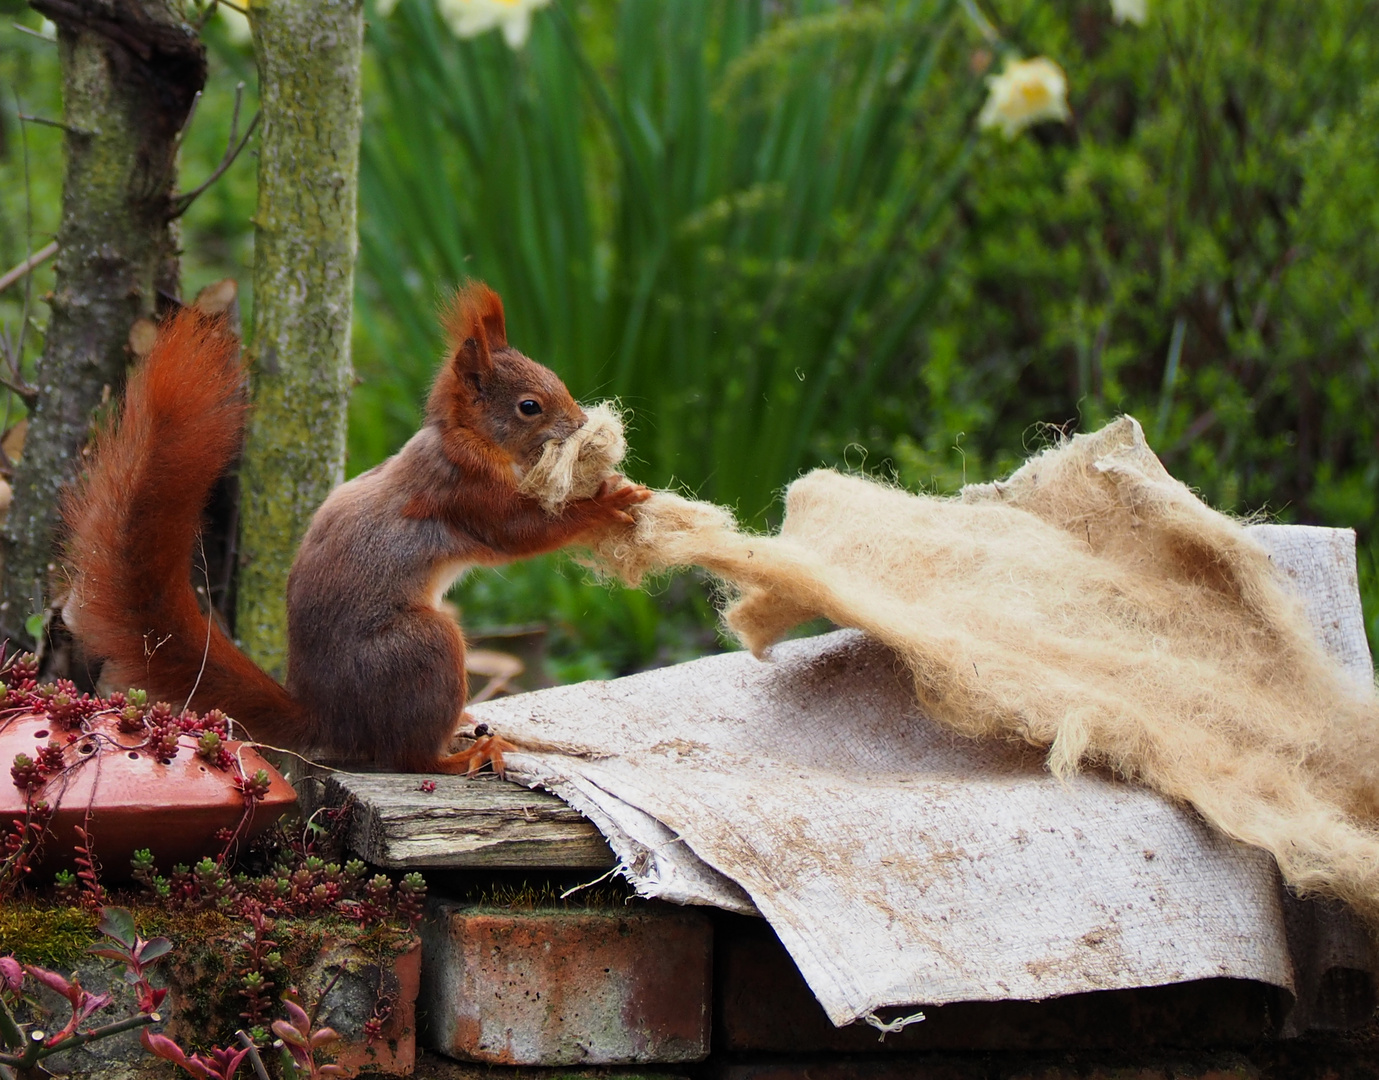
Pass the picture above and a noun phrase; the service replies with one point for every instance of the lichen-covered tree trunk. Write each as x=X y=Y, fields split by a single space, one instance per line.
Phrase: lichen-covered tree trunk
x=130 y=71
x=308 y=53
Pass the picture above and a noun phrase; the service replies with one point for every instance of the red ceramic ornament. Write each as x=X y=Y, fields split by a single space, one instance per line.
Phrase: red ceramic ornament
x=134 y=801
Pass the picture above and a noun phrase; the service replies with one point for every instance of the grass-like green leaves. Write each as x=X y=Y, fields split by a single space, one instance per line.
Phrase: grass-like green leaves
x=719 y=217
x=723 y=217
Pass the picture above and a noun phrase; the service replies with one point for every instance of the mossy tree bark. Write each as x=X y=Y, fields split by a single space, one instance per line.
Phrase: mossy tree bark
x=309 y=54
x=130 y=71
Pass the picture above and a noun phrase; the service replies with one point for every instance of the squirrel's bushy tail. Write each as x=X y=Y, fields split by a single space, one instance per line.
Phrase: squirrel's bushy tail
x=133 y=523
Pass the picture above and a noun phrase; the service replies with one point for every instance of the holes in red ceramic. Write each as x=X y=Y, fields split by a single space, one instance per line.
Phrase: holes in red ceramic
x=41 y=734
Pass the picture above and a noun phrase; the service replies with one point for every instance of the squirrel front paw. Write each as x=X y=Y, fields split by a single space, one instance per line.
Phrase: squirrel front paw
x=615 y=497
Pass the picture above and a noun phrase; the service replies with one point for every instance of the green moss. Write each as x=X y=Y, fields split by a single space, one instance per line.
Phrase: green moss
x=52 y=937
x=547 y=896
x=209 y=957
x=180 y=926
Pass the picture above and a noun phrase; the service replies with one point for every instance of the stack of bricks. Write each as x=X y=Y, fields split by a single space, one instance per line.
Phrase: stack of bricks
x=658 y=990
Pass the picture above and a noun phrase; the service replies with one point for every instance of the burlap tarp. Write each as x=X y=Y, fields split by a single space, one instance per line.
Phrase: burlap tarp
x=1091 y=609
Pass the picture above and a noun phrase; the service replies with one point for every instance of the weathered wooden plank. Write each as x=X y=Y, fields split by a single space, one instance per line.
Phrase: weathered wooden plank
x=476 y=822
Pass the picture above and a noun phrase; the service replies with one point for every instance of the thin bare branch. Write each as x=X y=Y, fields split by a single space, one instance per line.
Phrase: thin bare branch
x=191 y=115
x=57 y=124
x=17 y=357
x=26 y=394
x=182 y=202
x=37 y=259
x=234 y=117
x=254 y=1059
x=35 y=33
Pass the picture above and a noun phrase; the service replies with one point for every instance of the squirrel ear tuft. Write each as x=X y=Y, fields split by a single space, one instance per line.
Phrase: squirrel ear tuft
x=473 y=322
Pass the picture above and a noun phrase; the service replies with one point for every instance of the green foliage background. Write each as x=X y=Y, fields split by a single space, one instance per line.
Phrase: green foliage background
x=774 y=232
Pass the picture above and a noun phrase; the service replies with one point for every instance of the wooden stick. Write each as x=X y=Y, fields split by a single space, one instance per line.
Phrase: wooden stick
x=37 y=259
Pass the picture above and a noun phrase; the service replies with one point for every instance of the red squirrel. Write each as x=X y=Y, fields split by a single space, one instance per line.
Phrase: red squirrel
x=375 y=670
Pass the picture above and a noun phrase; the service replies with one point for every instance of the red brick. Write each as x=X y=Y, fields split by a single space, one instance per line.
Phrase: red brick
x=357 y=982
x=393 y=1053
x=1096 y=1072
x=566 y=988
x=895 y=1068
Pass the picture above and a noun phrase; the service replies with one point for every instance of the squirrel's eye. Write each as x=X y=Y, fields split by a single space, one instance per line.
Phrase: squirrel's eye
x=529 y=407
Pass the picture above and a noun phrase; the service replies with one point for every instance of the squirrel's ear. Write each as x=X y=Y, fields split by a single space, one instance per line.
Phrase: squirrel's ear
x=473 y=323
x=472 y=358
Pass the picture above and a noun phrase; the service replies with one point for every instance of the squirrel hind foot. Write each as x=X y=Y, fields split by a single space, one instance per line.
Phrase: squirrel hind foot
x=487 y=750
